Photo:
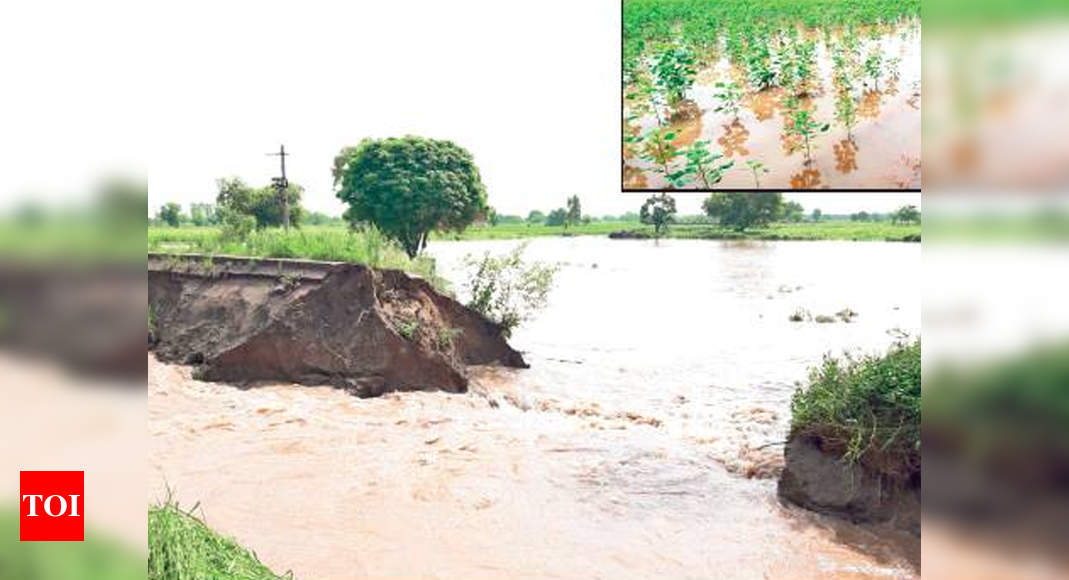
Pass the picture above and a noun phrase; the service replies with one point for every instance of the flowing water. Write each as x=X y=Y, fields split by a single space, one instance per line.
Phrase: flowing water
x=884 y=152
x=642 y=442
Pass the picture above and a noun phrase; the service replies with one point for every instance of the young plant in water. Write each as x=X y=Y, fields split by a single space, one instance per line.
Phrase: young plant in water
x=759 y=66
x=804 y=57
x=659 y=150
x=893 y=71
x=730 y=97
x=703 y=166
x=874 y=67
x=805 y=126
x=846 y=112
x=757 y=168
x=674 y=71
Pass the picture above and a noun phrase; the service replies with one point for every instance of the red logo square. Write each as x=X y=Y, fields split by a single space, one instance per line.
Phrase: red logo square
x=51 y=506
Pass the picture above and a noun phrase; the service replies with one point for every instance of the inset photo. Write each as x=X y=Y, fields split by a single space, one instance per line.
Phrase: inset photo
x=771 y=95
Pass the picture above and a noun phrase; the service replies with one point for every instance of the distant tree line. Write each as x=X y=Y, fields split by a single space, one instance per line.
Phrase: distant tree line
x=740 y=211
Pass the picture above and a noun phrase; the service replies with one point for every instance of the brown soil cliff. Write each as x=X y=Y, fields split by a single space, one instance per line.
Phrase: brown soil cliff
x=371 y=331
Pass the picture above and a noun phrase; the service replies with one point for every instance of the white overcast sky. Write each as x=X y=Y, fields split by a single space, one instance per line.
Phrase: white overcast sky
x=205 y=91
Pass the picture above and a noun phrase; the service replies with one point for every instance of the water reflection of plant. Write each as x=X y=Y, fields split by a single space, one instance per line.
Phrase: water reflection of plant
x=846 y=156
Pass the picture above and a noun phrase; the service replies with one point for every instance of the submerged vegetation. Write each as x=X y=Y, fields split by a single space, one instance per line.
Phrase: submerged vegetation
x=507 y=290
x=749 y=48
x=866 y=410
x=182 y=546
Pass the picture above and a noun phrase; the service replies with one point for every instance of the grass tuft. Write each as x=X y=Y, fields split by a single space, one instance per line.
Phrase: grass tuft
x=182 y=546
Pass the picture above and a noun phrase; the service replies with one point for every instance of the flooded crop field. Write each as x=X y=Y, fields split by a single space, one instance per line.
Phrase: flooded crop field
x=642 y=442
x=771 y=95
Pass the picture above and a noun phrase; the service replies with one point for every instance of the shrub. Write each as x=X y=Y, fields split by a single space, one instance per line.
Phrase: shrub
x=868 y=409
x=236 y=225
x=506 y=290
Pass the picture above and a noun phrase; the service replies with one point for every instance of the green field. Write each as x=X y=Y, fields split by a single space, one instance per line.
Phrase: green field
x=338 y=243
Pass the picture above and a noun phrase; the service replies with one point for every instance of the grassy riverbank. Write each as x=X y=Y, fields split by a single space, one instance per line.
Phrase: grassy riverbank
x=182 y=546
x=369 y=247
x=329 y=243
x=867 y=410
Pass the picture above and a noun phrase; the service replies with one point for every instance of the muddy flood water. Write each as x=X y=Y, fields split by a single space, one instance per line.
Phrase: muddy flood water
x=641 y=443
x=885 y=152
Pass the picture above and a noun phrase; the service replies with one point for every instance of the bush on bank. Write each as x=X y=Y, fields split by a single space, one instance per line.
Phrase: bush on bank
x=866 y=410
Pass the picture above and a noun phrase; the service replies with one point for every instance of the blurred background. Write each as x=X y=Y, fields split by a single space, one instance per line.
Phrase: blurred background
x=996 y=289
x=73 y=159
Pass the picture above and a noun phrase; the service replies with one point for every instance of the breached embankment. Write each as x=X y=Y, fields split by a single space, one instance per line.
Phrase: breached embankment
x=367 y=330
x=823 y=481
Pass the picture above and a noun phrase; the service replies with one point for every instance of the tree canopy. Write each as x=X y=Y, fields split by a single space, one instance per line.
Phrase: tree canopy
x=410 y=186
x=659 y=210
x=793 y=211
x=263 y=203
x=744 y=210
x=171 y=214
x=557 y=217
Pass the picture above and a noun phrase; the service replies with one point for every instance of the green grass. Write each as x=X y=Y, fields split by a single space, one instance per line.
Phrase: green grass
x=826 y=230
x=99 y=557
x=867 y=410
x=329 y=243
x=181 y=546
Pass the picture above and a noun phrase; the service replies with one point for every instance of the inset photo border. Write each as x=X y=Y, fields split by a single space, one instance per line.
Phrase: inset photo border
x=770 y=95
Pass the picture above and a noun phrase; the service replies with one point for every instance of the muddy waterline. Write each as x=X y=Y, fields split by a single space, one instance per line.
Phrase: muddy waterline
x=630 y=448
x=885 y=152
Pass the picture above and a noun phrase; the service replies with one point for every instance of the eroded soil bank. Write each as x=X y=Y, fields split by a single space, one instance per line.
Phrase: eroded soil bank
x=350 y=326
x=820 y=480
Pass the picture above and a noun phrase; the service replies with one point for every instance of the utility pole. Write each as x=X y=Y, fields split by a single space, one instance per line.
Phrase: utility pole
x=281 y=184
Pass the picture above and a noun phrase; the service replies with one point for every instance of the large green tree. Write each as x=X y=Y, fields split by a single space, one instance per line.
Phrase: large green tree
x=409 y=187
x=744 y=210
x=659 y=211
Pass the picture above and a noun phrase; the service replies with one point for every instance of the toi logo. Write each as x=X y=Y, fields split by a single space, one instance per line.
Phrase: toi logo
x=51 y=506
